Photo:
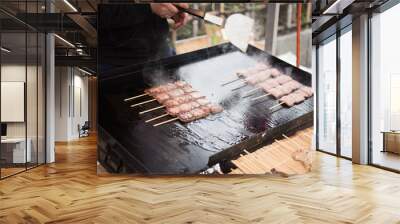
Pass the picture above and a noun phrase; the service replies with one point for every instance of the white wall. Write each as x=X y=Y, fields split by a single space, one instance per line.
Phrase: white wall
x=62 y=81
x=71 y=92
x=9 y=73
x=33 y=127
x=81 y=84
x=16 y=73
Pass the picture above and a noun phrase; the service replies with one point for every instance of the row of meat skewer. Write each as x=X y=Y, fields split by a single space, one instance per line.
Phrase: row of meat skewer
x=184 y=103
x=273 y=83
x=180 y=101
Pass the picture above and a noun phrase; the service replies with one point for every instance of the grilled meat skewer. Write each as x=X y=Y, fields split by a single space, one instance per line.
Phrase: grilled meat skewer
x=279 y=90
x=296 y=97
x=166 y=87
x=252 y=70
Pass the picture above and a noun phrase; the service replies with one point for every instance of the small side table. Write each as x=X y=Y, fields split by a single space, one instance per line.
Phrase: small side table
x=391 y=141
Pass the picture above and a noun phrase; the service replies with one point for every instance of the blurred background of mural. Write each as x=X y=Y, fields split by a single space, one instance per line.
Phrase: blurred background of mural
x=279 y=19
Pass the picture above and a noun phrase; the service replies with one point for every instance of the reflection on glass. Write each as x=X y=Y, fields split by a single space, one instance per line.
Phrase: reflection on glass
x=385 y=83
x=14 y=146
x=41 y=99
x=346 y=94
x=31 y=100
x=327 y=97
x=22 y=92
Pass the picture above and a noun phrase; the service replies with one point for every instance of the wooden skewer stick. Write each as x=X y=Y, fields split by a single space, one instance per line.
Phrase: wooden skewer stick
x=152 y=109
x=237 y=88
x=230 y=82
x=243 y=82
x=167 y=121
x=253 y=90
x=155 y=118
x=147 y=101
x=276 y=106
x=249 y=93
x=135 y=97
x=259 y=97
x=291 y=140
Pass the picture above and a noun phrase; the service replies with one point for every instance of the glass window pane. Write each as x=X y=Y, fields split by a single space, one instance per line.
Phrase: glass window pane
x=13 y=87
x=32 y=88
x=327 y=97
x=31 y=96
x=41 y=98
x=22 y=89
x=346 y=94
x=385 y=114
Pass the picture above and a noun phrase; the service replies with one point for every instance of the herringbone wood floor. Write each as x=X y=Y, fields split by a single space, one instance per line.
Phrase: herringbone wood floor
x=70 y=192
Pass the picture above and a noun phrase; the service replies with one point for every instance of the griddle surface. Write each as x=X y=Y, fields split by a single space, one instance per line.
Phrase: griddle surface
x=179 y=148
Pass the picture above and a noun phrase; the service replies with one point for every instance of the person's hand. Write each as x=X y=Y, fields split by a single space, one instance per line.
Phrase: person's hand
x=166 y=10
x=180 y=20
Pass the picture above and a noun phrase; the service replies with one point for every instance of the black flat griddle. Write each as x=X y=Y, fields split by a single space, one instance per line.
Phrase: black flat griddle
x=128 y=144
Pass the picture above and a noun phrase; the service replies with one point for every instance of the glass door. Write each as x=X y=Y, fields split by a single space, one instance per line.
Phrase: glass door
x=326 y=135
x=14 y=155
x=346 y=92
x=22 y=77
x=385 y=90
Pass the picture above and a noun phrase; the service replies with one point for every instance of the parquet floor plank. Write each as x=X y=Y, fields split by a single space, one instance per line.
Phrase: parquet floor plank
x=69 y=191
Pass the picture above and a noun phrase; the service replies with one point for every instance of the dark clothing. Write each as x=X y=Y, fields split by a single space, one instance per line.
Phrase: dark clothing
x=130 y=34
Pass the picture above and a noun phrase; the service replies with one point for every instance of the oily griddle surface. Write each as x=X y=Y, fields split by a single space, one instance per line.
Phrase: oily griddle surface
x=186 y=148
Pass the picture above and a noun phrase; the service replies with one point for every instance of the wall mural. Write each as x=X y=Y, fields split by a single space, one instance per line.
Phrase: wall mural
x=214 y=110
